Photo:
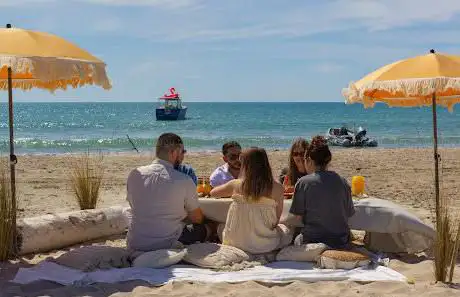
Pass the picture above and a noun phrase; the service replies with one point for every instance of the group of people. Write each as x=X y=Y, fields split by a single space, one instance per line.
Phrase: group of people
x=166 y=209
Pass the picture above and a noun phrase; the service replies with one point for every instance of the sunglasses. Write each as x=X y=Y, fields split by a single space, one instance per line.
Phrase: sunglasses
x=298 y=154
x=233 y=157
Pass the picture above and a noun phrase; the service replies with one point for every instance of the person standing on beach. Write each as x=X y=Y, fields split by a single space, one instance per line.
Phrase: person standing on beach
x=231 y=169
x=161 y=199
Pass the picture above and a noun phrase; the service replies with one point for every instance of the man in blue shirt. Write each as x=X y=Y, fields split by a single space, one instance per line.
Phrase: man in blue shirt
x=188 y=170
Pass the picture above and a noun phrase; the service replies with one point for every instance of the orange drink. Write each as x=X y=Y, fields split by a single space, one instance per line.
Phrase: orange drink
x=357 y=185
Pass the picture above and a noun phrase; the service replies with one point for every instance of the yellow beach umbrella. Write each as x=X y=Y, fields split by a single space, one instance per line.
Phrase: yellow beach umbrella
x=30 y=59
x=427 y=80
x=411 y=82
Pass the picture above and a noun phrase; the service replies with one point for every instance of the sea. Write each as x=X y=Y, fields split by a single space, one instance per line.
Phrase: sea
x=57 y=128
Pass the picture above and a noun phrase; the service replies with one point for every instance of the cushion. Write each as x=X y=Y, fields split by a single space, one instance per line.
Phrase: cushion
x=302 y=253
x=159 y=258
x=340 y=259
x=89 y=258
x=406 y=242
x=390 y=221
x=213 y=255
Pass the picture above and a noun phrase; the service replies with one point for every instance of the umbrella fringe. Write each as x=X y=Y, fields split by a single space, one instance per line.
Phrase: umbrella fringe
x=53 y=73
x=406 y=92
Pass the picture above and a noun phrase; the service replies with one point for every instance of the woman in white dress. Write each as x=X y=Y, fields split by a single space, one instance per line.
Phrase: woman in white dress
x=253 y=218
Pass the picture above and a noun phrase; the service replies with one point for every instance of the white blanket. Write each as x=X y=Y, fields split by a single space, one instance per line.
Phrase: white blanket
x=272 y=273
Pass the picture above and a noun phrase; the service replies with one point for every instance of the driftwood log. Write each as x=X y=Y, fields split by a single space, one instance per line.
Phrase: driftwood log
x=54 y=231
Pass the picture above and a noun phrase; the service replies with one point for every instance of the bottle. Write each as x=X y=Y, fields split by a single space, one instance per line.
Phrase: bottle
x=200 y=187
x=287 y=188
x=207 y=186
x=286 y=181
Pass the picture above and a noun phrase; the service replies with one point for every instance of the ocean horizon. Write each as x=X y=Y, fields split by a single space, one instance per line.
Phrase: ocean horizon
x=72 y=127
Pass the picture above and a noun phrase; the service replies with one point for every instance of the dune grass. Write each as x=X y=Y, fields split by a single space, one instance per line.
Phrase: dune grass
x=448 y=240
x=87 y=172
x=7 y=214
x=455 y=251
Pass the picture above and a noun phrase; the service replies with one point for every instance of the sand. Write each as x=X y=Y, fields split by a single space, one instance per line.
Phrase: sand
x=401 y=175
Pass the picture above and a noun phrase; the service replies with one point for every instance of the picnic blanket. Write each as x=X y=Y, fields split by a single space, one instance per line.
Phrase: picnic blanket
x=276 y=272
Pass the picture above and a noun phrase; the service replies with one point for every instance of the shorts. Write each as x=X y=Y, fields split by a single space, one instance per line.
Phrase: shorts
x=193 y=233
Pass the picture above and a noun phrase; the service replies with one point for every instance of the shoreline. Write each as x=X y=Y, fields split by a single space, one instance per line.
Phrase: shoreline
x=192 y=151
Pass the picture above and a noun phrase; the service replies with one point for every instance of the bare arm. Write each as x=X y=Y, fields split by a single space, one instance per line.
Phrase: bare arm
x=196 y=216
x=192 y=205
x=225 y=190
x=278 y=196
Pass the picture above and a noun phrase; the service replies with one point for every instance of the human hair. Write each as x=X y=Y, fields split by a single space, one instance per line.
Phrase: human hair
x=256 y=173
x=166 y=143
x=294 y=173
x=229 y=145
x=319 y=152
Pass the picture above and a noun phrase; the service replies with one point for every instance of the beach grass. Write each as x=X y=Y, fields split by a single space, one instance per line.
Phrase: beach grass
x=87 y=173
x=447 y=240
x=455 y=251
x=7 y=213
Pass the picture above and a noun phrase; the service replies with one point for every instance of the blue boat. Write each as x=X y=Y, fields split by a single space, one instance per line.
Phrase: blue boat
x=171 y=108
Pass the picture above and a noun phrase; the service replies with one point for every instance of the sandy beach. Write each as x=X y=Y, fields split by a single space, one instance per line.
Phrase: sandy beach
x=401 y=175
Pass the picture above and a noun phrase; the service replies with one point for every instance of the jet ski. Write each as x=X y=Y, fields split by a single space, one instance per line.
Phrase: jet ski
x=348 y=138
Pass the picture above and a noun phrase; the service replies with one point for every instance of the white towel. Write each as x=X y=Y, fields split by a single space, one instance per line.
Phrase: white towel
x=275 y=272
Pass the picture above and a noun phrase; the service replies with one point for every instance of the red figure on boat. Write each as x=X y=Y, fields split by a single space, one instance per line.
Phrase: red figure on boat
x=171 y=108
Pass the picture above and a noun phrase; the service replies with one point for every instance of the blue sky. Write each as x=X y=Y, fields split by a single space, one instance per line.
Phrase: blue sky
x=239 y=50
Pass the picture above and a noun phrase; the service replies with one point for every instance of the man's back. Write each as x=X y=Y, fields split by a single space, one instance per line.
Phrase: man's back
x=160 y=198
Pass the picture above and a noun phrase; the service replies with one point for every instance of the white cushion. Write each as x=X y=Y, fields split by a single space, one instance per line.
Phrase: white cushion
x=94 y=257
x=302 y=253
x=213 y=255
x=159 y=258
x=337 y=259
x=390 y=222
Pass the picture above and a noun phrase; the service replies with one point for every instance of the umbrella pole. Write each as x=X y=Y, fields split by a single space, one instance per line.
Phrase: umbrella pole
x=13 y=161
x=436 y=158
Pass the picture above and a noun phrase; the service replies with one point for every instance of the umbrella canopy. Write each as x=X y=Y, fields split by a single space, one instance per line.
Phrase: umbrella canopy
x=30 y=59
x=411 y=82
x=46 y=61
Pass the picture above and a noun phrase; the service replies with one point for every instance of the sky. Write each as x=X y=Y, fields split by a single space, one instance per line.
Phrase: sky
x=239 y=50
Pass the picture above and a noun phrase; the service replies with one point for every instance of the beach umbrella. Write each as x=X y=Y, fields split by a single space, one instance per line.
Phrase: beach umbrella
x=427 y=80
x=31 y=59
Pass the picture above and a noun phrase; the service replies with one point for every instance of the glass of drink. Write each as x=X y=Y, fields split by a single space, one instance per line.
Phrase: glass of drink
x=358 y=184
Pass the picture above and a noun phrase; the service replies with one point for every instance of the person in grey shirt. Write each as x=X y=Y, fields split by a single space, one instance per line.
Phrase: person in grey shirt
x=322 y=200
x=162 y=199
